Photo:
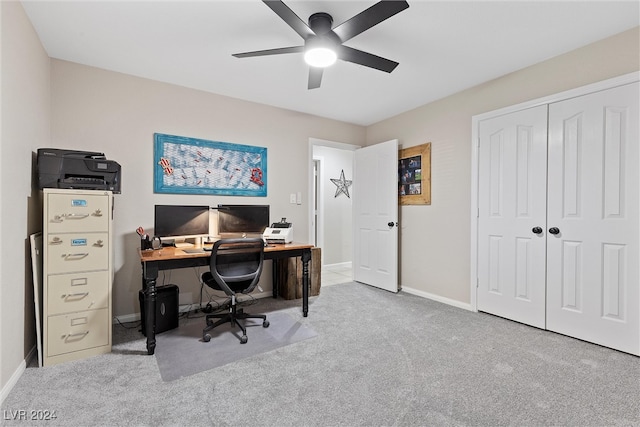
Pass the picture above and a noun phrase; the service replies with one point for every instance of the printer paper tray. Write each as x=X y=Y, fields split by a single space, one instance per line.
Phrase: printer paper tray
x=87 y=185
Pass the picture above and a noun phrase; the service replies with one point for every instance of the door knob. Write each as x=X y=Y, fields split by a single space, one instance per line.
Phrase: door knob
x=554 y=230
x=537 y=230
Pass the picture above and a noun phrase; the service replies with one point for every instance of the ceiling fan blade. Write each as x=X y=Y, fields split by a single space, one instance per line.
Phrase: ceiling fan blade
x=359 y=57
x=368 y=18
x=287 y=15
x=278 y=51
x=315 y=77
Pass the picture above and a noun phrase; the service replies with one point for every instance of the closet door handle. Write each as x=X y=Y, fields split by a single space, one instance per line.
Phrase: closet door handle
x=554 y=230
x=537 y=230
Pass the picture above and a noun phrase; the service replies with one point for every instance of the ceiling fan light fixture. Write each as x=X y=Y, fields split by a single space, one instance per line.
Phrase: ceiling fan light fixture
x=320 y=57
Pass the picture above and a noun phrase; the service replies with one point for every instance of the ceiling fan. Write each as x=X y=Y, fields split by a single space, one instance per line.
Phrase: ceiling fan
x=323 y=44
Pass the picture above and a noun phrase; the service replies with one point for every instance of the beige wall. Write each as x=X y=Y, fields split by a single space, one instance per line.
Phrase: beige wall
x=435 y=239
x=117 y=114
x=24 y=123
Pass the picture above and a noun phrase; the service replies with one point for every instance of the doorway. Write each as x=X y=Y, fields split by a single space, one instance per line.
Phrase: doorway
x=330 y=214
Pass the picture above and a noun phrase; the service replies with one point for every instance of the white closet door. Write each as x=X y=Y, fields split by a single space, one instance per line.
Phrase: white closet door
x=512 y=206
x=592 y=270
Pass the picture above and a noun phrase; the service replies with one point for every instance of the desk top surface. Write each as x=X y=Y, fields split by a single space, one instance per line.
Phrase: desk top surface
x=169 y=252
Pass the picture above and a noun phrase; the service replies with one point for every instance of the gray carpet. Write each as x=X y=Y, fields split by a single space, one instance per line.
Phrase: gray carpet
x=379 y=359
x=182 y=352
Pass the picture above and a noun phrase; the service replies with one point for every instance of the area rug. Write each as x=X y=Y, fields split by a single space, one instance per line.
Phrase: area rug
x=182 y=352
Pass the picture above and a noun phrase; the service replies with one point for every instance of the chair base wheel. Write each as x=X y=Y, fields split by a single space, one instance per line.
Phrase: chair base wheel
x=206 y=338
x=244 y=339
x=265 y=324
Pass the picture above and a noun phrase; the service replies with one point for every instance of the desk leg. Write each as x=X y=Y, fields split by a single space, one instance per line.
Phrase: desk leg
x=150 y=309
x=150 y=274
x=306 y=257
x=274 y=277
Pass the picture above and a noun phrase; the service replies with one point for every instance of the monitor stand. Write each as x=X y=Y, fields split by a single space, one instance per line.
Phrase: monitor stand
x=183 y=245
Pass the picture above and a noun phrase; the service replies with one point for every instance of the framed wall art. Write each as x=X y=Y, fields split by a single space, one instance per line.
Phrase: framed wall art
x=196 y=166
x=414 y=175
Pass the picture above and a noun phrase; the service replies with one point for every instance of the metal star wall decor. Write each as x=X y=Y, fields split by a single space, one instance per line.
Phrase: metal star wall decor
x=342 y=185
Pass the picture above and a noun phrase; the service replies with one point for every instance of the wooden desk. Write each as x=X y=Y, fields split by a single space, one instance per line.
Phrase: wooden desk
x=170 y=258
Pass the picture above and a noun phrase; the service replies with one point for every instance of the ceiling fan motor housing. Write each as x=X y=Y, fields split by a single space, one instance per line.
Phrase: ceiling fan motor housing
x=320 y=23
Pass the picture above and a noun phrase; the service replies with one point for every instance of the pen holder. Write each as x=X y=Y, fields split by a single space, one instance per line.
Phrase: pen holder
x=145 y=243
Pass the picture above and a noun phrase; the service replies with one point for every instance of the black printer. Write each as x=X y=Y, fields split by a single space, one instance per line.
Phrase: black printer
x=85 y=170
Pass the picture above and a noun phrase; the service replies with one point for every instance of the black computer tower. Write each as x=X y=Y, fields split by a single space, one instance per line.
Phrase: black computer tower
x=166 y=308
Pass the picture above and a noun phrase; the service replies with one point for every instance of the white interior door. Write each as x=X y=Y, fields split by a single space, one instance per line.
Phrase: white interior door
x=593 y=281
x=375 y=215
x=512 y=215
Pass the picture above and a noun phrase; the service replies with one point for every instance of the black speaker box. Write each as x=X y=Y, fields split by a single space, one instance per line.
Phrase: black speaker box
x=166 y=308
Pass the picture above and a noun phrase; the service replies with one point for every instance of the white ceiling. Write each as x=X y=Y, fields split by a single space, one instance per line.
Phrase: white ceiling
x=443 y=47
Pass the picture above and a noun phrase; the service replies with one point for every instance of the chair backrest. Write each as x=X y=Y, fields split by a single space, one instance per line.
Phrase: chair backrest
x=236 y=264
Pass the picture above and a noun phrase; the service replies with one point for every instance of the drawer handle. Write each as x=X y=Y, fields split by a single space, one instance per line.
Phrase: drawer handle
x=76 y=216
x=98 y=212
x=76 y=336
x=99 y=243
x=76 y=295
x=56 y=241
x=75 y=257
x=57 y=218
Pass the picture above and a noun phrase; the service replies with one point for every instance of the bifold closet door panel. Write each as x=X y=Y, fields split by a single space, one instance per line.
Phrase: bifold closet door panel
x=593 y=216
x=511 y=216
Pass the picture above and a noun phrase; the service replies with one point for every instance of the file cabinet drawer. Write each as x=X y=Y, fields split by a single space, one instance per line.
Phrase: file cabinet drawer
x=77 y=331
x=68 y=253
x=75 y=212
x=77 y=292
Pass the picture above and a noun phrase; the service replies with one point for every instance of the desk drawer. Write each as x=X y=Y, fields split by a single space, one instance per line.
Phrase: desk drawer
x=76 y=252
x=77 y=331
x=77 y=292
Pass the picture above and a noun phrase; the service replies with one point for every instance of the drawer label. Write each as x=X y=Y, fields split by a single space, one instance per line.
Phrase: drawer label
x=78 y=202
x=78 y=242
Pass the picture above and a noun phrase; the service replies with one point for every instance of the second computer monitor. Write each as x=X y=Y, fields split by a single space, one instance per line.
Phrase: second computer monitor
x=239 y=220
x=181 y=221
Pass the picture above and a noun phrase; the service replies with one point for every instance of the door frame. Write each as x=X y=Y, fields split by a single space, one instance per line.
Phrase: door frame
x=475 y=142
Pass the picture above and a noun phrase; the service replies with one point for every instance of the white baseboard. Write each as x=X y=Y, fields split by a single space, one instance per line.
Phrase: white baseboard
x=338 y=266
x=444 y=300
x=17 y=374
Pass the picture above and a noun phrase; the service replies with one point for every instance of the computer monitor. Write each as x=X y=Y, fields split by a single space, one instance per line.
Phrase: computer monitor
x=181 y=221
x=234 y=220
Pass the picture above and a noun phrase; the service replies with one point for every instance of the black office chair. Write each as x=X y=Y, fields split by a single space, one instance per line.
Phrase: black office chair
x=236 y=265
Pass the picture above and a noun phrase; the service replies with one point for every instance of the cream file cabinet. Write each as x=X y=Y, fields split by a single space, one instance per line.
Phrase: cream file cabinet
x=77 y=274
